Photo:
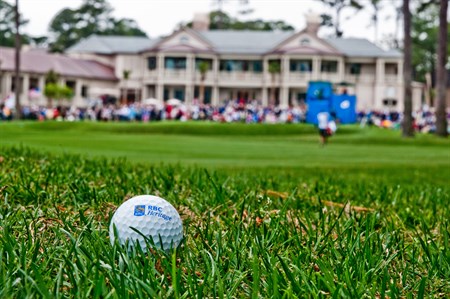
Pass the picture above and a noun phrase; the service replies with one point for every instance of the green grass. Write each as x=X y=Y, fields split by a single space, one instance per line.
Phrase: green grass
x=255 y=203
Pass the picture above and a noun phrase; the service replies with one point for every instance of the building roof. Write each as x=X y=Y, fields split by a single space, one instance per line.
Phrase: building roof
x=359 y=47
x=40 y=62
x=244 y=42
x=229 y=42
x=112 y=44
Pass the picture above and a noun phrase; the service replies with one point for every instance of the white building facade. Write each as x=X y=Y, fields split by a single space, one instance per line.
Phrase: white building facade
x=271 y=67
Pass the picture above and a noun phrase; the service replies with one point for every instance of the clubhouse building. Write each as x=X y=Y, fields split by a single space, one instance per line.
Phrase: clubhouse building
x=240 y=66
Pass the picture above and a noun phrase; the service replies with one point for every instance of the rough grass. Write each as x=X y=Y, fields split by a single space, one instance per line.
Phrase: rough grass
x=373 y=229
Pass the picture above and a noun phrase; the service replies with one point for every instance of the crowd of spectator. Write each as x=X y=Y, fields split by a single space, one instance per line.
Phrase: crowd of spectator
x=424 y=119
x=231 y=111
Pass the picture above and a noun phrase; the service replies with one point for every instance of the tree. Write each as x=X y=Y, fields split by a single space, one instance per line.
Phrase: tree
x=425 y=40
x=54 y=91
x=441 y=117
x=8 y=25
x=203 y=68
x=274 y=69
x=69 y=26
x=126 y=76
x=221 y=20
x=407 y=128
x=376 y=7
x=338 y=6
x=51 y=87
x=18 y=87
x=220 y=17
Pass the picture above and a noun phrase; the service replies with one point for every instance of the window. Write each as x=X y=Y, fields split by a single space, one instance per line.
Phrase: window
x=175 y=63
x=231 y=65
x=328 y=66
x=84 y=91
x=71 y=84
x=257 y=66
x=304 y=66
x=200 y=60
x=151 y=63
x=179 y=94
x=184 y=39
x=34 y=83
x=390 y=102
x=355 y=68
x=305 y=42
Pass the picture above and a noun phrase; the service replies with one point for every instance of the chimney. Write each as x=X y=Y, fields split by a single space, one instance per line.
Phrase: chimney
x=313 y=22
x=201 y=22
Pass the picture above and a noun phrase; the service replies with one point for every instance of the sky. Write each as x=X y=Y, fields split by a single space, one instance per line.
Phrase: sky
x=161 y=17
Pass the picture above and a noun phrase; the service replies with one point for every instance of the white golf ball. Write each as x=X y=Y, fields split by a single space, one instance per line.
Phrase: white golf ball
x=149 y=216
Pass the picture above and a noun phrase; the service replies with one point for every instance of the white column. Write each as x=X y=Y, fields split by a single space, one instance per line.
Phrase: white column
x=160 y=76
x=316 y=67
x=266 y=73
x=341 y=69
x=380 y=70
x=265 y=97
x=284 y=90
x=400 y=72
x=285 y=69
x=160 y=66
x=188 y=94
x=190 y=69
x=2 y=86
x=160 y=91
x=215 y=95
x=77 y=98
x=8 y=82
x=284 y=96
x=379 y=84
x=265 y=82
x=25 y=89
x=41 y=85
x=144 y=93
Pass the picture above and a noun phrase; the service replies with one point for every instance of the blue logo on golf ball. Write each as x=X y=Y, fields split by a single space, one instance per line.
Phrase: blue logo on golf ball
x=139 y=210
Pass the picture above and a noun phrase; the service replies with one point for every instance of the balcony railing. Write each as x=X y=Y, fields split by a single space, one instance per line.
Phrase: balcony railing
x=361 y=78
x=175 y=74
x=390 y=78
x=298 y=77
x=238 y=77
x=209 y=77
x=333 y=77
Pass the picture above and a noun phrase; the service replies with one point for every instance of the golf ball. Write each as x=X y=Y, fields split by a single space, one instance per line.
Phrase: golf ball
x=147 y=216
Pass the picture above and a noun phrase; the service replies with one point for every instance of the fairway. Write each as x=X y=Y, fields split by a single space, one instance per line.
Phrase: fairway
x=267 y=212
x=234 y=145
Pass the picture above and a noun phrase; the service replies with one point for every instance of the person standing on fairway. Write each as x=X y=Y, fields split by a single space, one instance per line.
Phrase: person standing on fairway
x=322 y=123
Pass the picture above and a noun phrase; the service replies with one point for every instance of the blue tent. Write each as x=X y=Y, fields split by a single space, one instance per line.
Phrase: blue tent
x=319 y=90
x=345 y=108
x=314 y=108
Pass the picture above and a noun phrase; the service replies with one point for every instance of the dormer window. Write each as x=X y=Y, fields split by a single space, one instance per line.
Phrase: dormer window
x=184 y=39
x=305 y=42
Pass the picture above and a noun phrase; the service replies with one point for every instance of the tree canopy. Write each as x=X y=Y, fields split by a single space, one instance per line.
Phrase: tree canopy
x=337 y=6
x=425 y=27
x=221 y=20
x=69 y=26
x=7 y=25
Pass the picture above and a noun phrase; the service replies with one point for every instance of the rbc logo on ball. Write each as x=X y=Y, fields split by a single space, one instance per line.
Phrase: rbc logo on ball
x=139 y=210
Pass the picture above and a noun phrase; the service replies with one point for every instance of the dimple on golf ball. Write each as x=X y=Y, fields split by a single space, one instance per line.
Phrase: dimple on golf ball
x=147 y=216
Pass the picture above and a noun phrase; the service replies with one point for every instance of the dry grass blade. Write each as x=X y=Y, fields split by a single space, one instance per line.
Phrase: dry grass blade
x=273 y=193
x=347 y=206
